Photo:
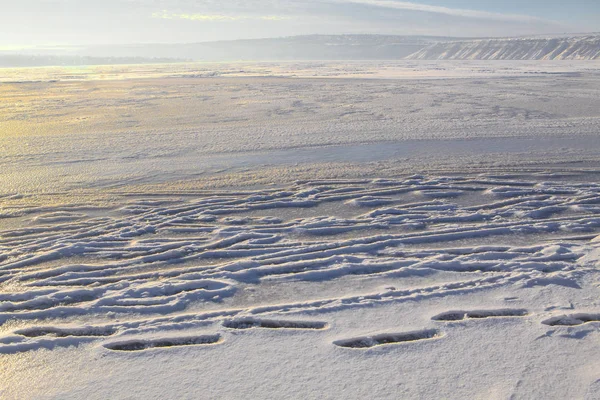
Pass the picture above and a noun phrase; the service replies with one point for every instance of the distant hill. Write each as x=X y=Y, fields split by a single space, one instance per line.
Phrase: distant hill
x=319 y=47
x=312 y=47
x=565 y=48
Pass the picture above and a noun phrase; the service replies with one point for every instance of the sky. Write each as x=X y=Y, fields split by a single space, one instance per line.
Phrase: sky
x=26 y=23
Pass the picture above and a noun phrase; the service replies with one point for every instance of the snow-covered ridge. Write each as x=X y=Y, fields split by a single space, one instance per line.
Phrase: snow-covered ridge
x=566 y=48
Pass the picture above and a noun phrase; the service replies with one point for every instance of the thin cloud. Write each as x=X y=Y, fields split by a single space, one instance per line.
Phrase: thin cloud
x=86 y=21
x=234 y=10
x=456 y=12
x=216 y=17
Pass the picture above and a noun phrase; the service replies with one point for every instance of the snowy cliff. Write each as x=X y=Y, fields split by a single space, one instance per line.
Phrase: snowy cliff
x=566 y=48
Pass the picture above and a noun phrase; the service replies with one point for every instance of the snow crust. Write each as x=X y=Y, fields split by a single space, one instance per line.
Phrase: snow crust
x=181 y=278
x=446 y=262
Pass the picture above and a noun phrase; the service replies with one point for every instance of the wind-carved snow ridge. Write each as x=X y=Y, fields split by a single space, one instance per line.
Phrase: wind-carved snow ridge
x=388 y=338
x=138 y=345
x=479 y=314
x=177 y=261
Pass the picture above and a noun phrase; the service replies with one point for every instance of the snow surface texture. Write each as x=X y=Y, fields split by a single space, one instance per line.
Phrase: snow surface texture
x=202 y=271
x=314 y=264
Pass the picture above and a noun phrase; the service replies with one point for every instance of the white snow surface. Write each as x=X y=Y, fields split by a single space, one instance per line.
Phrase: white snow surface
x=443 y=242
